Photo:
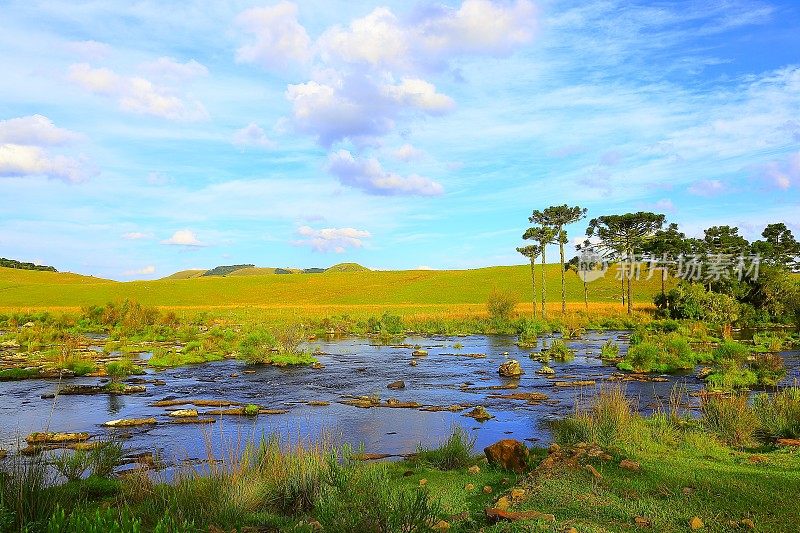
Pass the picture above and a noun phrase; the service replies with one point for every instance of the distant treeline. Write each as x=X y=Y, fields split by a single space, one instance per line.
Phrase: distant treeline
x=11 y=263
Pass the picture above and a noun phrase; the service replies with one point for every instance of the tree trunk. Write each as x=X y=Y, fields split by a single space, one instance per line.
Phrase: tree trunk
x=622 y=284
x=630 y=275
x=586 y=295
x=533 y=284
x=544 y=288
x=663 y=281
x=563 y=282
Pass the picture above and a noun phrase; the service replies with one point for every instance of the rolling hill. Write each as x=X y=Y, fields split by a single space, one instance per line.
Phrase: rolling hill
x=337 y=290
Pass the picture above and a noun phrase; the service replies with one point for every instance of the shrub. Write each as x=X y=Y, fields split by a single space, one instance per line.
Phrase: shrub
x=455 y=452
x=251 y=410
x=500 y=305
x=769 y=368
x=121 y=369
x=559 y=351
x=256 y=346
x=80 y=367
x=729 y=418
x=609 y=350
x=692 y=301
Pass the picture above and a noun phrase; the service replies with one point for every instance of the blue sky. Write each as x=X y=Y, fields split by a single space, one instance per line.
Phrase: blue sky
x=141 y=138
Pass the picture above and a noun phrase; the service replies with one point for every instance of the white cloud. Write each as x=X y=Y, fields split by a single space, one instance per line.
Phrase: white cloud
x=172 y=69
x=707 y=187
x=431 y=36
x=280 y=40
x=407 y=153
x=34 y=130
x=135 y=235
x=252 y=135
x=149 y=269
x=331 y=239
x=183 y=237
x=369 y=176
x=419 y=94
x=135 y=94
x=21 y=160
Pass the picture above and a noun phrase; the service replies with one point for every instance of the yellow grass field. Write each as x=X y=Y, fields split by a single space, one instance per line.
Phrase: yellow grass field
x=417 y=293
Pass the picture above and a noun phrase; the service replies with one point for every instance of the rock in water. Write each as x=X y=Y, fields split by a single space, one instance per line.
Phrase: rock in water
x=400 y=384
x=510 y=369
x=184 y=413
x=546 y=371
x=509 y=454
x=480 y=414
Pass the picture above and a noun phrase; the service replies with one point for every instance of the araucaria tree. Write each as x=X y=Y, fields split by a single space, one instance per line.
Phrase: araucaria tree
x=629 y=233
x=556 y=217
x=544 y=235
x=532 y=251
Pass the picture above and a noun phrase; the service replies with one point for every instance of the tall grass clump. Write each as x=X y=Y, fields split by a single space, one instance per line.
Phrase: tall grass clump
x=455 y=452
x=500 y=305
x=778 y=414
x=559 y=351
x=24 y=497
x=610 y=420
x=729 y=418
x=365 y=498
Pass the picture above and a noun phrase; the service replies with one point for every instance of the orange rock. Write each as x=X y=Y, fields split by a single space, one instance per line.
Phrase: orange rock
x=696 y=523
x=509 y=454
x=495 y=515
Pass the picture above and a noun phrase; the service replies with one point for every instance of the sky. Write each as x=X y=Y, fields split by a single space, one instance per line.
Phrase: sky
x=140 y=138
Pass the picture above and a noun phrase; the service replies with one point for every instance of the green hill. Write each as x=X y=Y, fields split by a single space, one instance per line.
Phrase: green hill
x=360 y=290
x=347 y=267
x=186 y=274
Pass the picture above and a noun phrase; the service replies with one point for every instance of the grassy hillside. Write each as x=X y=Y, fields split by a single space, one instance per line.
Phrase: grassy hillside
x=421 y=288
x=185 y=274
x=347 y=267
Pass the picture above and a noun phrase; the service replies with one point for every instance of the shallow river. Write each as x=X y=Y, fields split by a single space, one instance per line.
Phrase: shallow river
x=353 y=366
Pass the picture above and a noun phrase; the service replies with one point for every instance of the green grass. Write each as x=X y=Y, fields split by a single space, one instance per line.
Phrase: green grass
x=20 y=288
x=455 y=452
x=14 y=374
x=166 y=358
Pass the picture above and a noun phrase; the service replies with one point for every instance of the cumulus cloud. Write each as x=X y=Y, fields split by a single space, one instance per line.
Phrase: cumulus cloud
x=707 y=188
x=278 y=38
x=331 y=239
x=431 y=36
x=135 y=236
x=172 y=69
x=183 y=237
x=252 y=135
x=359 y=107
x=34 y=130
x=144 y=271
x=369 y=176
x=407 y=153
x=136 y=94
x=25 y=150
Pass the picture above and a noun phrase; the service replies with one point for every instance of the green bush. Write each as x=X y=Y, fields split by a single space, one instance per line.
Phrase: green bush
x=455 y=452
x=609 y=350
x=500 y=305
x=559 y=351
x=692 y=301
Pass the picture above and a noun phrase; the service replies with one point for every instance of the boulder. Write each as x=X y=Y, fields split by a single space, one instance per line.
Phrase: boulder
x=474 y=470
x=510 y=369
x=413 y=363
x=3 y=454
x=399 y=384
x=509 y=454
x=316 y=365
x=419 y=353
